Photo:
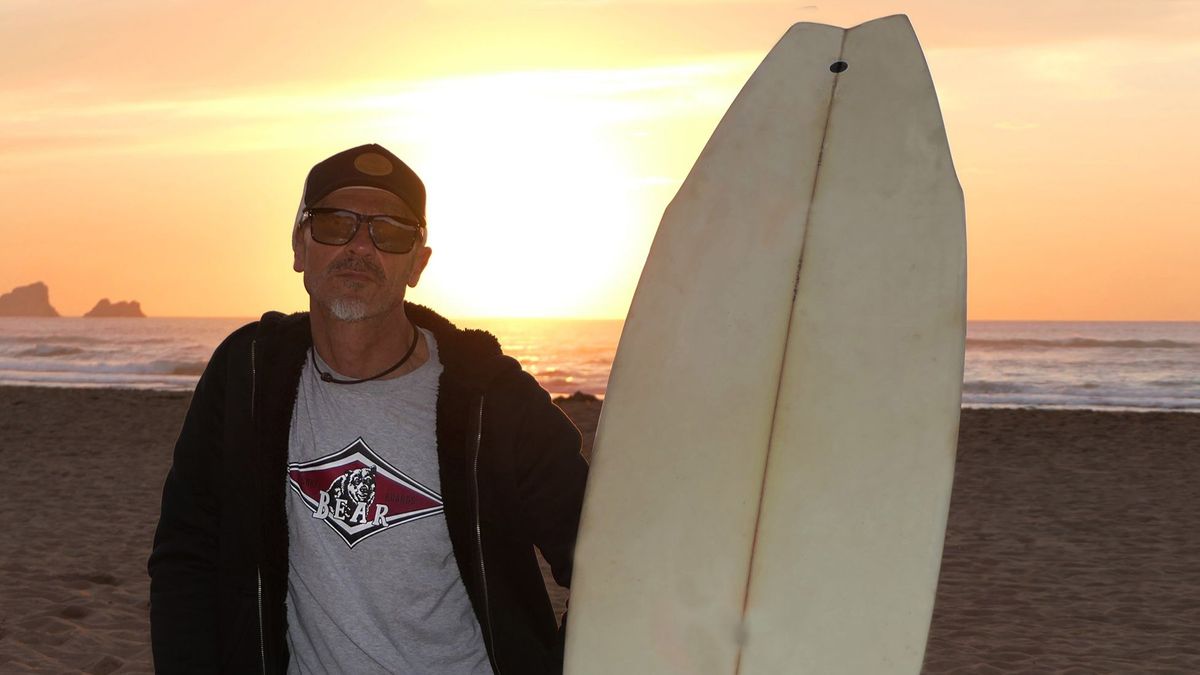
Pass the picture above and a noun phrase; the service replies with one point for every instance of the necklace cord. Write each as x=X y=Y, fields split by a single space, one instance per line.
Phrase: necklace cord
x=328 y=377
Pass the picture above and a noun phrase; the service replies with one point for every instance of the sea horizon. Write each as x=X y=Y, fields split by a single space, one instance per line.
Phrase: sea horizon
x=1059 y=364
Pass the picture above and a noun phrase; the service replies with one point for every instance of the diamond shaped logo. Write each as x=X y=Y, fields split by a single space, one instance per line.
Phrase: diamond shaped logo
x=358 y=494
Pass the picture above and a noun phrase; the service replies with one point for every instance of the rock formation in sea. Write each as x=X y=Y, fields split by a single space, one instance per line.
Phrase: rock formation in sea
x=31 y=300
x=104 y=308
x=577 y=397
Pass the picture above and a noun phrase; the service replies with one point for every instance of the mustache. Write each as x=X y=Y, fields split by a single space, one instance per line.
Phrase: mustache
x=353 y=263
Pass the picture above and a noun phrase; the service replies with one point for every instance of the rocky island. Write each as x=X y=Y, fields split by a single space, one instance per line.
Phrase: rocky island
x=104 y=308
x=31 y=300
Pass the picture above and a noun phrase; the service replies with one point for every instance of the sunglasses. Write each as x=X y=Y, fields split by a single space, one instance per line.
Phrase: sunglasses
x=336 y=227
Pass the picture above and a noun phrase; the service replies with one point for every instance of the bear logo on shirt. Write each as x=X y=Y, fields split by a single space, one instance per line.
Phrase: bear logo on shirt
x=349 y=496
x=358 y=494
x=356 y=485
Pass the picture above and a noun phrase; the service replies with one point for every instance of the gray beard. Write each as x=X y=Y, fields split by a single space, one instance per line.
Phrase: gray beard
x=348 y=310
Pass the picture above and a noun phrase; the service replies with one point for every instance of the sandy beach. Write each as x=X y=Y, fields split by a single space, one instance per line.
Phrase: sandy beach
x=1072 y=544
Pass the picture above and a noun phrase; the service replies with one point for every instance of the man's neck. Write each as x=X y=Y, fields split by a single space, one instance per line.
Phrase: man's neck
x=361 y=349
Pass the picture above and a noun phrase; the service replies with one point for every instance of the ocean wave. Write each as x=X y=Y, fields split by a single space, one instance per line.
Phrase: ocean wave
x=182 y=367
x=147 y=341
x=45 y=350
x=1127 y=406
x=1175 y=383
x=87 y=340
x=992 y=387
x=1076 y=343
x=60 y=339
x=158 y=367
x=99 y=380
x=571 y=384
x=1181 y=404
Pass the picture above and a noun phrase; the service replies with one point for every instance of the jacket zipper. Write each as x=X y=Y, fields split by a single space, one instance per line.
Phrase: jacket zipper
x=262 y=648
x=487 y=610
x=262 y=651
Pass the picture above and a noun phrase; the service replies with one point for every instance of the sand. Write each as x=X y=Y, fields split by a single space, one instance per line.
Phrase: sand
x=1073 y=545
x=1073 y=542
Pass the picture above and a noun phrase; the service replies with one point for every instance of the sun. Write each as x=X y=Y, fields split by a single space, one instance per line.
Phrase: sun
x=528 y=182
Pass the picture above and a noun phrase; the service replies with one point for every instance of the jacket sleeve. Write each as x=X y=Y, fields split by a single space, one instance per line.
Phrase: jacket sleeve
x=550 y=482
x=183 y=562
x=551 y=485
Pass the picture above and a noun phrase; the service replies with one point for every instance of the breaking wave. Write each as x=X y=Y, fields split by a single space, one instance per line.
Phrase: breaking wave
x=1077 y=343
x=991 y=387
x=44 y=350
x=159 y=367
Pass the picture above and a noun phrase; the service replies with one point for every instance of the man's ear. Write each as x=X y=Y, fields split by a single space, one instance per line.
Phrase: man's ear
x=419 y=263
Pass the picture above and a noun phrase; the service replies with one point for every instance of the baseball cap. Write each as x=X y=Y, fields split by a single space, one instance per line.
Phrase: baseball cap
x=369 y=165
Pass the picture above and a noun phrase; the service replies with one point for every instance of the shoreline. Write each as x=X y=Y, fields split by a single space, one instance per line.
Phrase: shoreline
x=1070 y=540
x=600 y=398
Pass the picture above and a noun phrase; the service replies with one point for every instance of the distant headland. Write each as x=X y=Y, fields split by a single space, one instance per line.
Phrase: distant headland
x=31 y=300
x=105 y=308
x=34 y=300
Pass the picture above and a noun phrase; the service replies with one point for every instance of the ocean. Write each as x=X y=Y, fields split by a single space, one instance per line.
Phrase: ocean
x=1077 y=365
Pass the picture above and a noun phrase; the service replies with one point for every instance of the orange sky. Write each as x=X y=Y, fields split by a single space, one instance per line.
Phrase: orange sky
x=155 y=149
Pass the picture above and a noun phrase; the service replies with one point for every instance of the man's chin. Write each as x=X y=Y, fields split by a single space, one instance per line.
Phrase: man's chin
x=349 y=309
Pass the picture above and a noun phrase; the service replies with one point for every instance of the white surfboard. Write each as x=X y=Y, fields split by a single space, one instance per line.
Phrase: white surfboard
x=772 y=468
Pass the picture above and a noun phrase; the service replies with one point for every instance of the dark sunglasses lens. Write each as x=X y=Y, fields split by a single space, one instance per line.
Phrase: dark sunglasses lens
x=392 y=235
x=333 y=227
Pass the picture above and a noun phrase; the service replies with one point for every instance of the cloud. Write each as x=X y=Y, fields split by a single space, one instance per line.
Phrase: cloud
x=942 y=23
x=45 y=122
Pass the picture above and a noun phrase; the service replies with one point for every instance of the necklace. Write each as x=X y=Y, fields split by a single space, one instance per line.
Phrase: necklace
x=328 y=377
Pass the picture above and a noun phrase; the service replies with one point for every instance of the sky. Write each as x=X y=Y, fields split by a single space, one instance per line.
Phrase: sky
x=154 y=150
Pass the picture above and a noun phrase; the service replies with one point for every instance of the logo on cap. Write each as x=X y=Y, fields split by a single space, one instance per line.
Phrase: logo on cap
x=373 y=164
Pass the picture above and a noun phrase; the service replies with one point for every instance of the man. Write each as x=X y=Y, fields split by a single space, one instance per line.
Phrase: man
x=360 y=488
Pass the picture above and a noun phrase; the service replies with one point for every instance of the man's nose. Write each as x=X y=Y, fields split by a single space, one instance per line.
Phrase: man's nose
x=361 y=243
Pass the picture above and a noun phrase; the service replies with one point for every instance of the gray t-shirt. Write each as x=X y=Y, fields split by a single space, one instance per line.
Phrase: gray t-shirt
x=373 y=586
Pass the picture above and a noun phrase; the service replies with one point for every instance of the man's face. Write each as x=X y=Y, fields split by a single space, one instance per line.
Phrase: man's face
x=357 y=281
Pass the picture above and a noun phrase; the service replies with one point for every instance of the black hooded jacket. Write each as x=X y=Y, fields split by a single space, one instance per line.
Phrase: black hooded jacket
x=511 y=475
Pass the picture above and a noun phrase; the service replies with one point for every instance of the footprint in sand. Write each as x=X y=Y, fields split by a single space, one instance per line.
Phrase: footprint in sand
x=102 y=579
x=82 y=581
x=104 y=665
x=74 y=612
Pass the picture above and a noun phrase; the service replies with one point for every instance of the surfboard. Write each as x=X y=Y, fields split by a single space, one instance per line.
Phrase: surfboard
x=772 y=468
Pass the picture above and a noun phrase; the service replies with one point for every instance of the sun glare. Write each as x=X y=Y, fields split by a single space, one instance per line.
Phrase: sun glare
x=526 y=187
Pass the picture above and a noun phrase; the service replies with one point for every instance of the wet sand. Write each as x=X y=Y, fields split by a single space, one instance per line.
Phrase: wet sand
x=1073 y=542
